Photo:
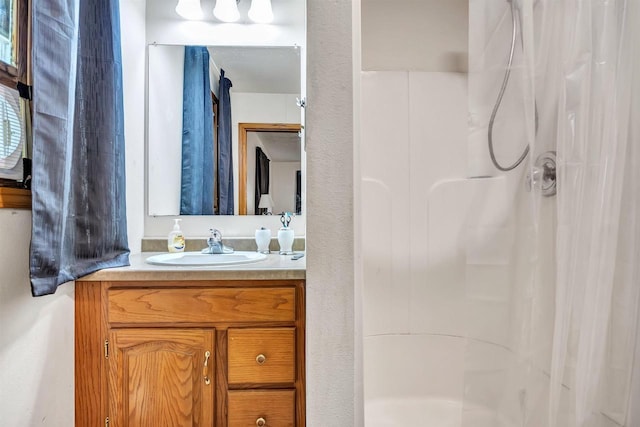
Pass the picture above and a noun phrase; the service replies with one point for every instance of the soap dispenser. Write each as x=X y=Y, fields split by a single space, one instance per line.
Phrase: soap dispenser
x=175 y=241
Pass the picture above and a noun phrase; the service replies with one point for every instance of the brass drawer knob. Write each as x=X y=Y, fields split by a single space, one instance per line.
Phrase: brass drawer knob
x=260 y=359
x=261 y=422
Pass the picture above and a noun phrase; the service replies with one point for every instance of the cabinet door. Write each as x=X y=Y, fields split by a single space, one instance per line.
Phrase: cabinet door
x=161 y=378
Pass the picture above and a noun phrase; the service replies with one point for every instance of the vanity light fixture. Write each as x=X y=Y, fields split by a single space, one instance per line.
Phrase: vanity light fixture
x=189 y=9
x=261 y=12
x=226 y=10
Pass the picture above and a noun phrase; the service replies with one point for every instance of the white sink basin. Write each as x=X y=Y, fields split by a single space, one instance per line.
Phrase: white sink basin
x=193 y=259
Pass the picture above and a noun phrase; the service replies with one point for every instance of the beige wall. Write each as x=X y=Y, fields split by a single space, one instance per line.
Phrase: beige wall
x=415 y=35
x=36 y=337
x=330 y=238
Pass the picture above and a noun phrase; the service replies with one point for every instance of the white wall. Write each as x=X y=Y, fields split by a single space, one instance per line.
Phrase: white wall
x=134 y=57
x=36 y=337
x=165 y=128
x=282 y=185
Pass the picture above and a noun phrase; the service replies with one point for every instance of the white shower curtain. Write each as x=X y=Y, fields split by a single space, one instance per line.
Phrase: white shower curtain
x=577 y=72
x=598 y=239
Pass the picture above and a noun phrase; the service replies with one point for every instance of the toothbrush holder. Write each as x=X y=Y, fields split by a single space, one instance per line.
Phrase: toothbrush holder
x=263 y=238
x=285 y=240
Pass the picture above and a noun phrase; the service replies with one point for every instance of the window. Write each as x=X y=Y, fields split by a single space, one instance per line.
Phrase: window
x=15 y=110
x=14 y=38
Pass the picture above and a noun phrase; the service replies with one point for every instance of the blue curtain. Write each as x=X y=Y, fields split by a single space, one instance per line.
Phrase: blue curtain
x=79 y=215
x=196 y=194
x=225 y=159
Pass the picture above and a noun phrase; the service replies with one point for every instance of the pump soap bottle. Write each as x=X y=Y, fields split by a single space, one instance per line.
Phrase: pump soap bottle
x=175 y=241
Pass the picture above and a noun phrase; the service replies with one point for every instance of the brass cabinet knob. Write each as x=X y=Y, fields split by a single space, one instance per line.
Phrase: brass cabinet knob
x=260 y=359
x=261 y=422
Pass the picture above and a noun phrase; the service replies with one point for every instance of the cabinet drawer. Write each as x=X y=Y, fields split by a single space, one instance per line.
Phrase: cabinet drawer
x=200 y=305
x=261 y=356
x=268 y=408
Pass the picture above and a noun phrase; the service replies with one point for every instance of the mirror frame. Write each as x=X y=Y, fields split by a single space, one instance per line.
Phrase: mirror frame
x=243 y=129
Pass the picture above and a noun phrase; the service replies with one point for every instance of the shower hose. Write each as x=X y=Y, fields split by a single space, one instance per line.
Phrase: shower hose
x=503 y=88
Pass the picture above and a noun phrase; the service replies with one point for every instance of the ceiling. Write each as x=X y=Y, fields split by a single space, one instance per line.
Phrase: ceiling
x=257 y=69
x=281 y=146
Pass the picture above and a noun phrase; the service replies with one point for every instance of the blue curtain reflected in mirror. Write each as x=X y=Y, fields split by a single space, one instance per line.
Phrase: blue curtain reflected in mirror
x=198 y=173
x=225 y=158
x=207 y=160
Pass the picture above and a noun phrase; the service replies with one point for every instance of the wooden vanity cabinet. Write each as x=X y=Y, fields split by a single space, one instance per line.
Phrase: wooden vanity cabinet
x=197 y=353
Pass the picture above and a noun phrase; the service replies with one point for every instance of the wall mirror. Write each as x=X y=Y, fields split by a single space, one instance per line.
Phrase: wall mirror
x=264 y=118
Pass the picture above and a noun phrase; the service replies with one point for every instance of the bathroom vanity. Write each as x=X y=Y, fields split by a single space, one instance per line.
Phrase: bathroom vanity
x=217 y=346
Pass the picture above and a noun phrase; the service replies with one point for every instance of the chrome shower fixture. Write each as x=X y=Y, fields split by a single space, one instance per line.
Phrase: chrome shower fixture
x=543 y=174
x=515 y=18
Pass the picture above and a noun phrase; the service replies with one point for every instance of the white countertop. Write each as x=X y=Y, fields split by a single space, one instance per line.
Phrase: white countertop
x=274 y=267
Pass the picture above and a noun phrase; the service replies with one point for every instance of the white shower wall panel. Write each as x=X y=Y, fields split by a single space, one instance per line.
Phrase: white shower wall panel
x=462 y=290
x=437 y=246
x=385 y=194
x=414 y=134
x=402 y=366
x=437 y=123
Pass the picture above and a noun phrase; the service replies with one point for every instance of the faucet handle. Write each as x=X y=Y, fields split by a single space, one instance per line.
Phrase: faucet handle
x=214 y=243
x=216 y=235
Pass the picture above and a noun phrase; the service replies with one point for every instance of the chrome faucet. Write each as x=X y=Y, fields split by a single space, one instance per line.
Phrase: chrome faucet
x=215 y=245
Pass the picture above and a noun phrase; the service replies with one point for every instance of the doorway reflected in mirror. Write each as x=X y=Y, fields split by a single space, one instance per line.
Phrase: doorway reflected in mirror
x=270 y=163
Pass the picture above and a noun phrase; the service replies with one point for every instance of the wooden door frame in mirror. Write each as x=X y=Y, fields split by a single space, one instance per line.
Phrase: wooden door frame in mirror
x=243 y=129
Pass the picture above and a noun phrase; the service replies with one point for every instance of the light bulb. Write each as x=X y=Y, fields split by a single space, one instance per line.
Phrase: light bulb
x=226 y=10
x=189 y=9
x=261 y=12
